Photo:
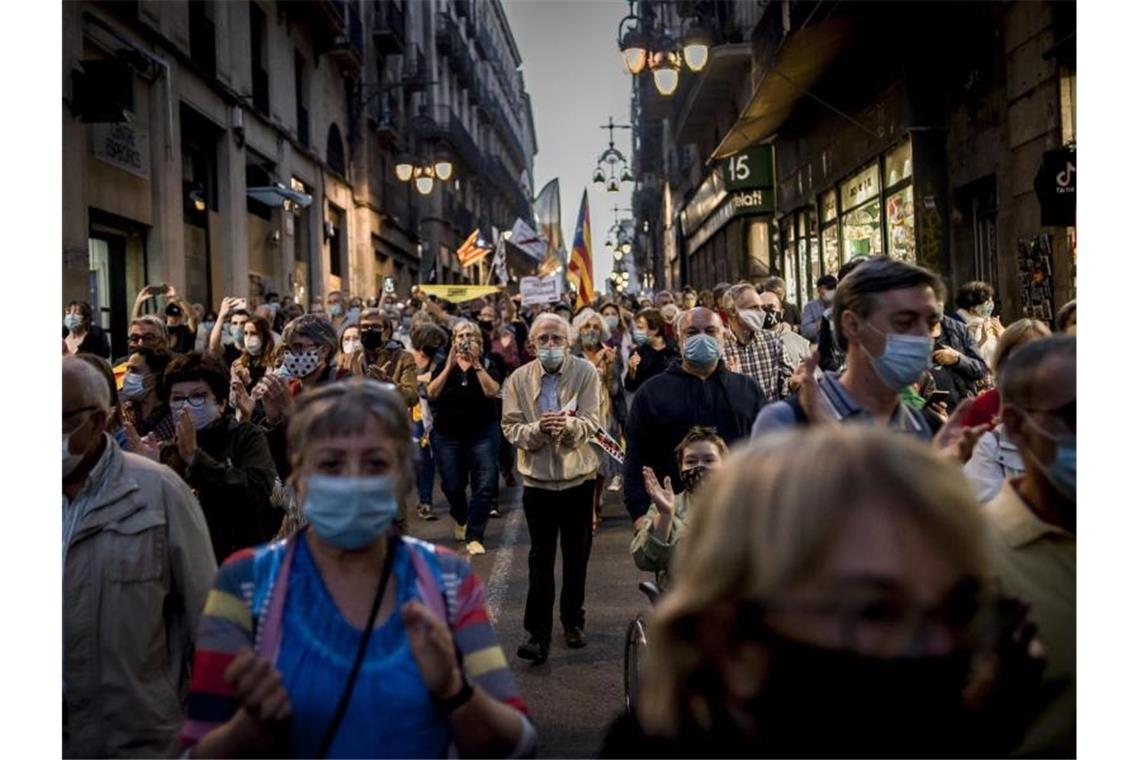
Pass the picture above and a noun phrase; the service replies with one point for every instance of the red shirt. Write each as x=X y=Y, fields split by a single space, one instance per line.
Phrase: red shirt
x=985 y=409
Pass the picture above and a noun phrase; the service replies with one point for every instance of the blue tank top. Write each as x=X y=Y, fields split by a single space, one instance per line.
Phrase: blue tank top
x=391 y=712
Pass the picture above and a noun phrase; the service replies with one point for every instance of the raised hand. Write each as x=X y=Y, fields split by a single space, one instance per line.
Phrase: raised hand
x=264 y=701
x=433 y=649
x=662 y=496
x=146 y=446
x=187 y=436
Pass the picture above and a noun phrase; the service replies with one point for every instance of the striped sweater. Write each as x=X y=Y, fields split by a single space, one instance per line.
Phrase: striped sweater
x=236 y=616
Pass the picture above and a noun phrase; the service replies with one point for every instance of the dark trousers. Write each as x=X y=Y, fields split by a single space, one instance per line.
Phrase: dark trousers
x=474 y=457
x=549 y=513
x=425 y=468
x=506 y=455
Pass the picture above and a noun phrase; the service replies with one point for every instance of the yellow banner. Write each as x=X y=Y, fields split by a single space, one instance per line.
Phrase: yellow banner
x=459 y=293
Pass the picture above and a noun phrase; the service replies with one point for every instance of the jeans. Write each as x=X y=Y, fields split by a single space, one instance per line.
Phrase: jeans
x=474 y=457
x=549 y=513
x=425 y=470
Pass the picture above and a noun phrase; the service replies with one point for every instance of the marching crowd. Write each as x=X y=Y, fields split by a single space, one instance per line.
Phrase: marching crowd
x=863 y=518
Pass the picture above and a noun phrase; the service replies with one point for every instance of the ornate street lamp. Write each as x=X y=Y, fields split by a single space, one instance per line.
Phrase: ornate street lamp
x=696 y=47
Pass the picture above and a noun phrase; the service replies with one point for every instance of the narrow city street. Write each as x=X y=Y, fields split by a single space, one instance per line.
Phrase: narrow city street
x=575 y=694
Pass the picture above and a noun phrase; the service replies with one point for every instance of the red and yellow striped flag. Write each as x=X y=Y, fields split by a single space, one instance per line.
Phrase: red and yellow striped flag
x=470 y=251
x=581 y=263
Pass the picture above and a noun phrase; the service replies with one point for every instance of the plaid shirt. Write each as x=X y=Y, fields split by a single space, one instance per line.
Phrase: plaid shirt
x=763 y=359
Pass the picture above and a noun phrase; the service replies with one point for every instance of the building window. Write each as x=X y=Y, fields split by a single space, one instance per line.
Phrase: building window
x=897 y=169
x=334 y=150
x=202 y=39
x=301 y=95
x=258 y=58
x=862 y=229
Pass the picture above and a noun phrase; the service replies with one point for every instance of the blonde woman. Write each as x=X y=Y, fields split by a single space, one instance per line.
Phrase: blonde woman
x=591 y=333
x=828 y=601
x=350 y=348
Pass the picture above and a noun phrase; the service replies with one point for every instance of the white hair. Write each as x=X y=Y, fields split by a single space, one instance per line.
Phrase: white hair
x=548 y=316
x=733 y=295
x=585 y=316
x=92 y=386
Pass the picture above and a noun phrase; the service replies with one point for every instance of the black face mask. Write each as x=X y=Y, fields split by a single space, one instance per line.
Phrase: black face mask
x=820 y=702
x=372 y=340
x=771 y=319
x=486 y=325
x=692 y=477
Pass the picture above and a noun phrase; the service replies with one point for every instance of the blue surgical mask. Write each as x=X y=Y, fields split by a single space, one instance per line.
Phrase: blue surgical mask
x=640 y=337
x=702 y=350
x=237 y=332
x=134 y=387
x=72 y=321
x=612 y=322
x=201 y=416
x=350 y=512
x=335 y=310
x=1062 y=473
x=551 y=358
x=904 y=358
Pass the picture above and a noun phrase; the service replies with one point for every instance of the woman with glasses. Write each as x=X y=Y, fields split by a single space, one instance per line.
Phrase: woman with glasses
x=227 y=463
x=832 y=599
x=347 y=640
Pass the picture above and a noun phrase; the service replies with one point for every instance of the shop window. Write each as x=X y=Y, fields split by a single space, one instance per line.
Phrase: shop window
x=827 y=206
x=900 y=225
x=807 y=250
x=788 y=259
x=830 y=238
x=898 y=165
x=862 y=228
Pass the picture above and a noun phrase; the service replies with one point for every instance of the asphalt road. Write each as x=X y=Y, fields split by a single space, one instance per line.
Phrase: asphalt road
x=575 y=694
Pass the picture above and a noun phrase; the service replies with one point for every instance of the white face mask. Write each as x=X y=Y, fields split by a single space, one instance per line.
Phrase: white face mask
x=986 y=310
x=350 y=347
x=70 y=461
x=253 y=345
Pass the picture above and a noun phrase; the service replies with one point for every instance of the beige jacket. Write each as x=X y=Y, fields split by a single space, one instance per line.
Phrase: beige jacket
x=544 y=462
x=138 y=568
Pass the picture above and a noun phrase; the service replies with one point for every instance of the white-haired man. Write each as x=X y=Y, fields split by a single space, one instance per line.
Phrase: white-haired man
x=751 y=350
x=550 y=413
x=137 y=565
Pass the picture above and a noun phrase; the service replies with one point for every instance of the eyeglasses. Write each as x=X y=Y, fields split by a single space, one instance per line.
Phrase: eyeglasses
x=881 y=625
x=550 y=340
x=141 y=338
x=196 y=400
x=1066 y=413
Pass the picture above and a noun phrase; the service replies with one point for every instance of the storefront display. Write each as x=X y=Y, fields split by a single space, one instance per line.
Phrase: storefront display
x=862 y=227
x=900 y=225
x=831 y=249
x=788 y=265
x=807 y=247
x=897 y=166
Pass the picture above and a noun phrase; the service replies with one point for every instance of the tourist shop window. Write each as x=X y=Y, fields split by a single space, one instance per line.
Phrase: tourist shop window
x=897 y=168
x=829 y=237
x=788 y=257
x=861 y=210
x=807 y=252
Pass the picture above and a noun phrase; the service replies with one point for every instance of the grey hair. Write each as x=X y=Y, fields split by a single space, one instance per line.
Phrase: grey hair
x=313 y=327
x=346 y=408
x=732 y=296
x=154 y=321
x=465 y=324
x=90 y=383
x=583 y=317
x=1018 y=381
x=549 y=316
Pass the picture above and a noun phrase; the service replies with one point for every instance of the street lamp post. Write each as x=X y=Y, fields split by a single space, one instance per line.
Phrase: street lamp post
x=646 y=45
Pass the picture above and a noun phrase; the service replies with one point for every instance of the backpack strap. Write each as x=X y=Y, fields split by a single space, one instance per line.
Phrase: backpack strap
x=268 y=633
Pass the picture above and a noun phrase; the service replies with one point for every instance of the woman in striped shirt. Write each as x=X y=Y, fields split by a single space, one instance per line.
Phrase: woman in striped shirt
x=346 y=639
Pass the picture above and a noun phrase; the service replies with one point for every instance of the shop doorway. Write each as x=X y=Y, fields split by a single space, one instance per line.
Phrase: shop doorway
x=975 y=234
x=116 y=273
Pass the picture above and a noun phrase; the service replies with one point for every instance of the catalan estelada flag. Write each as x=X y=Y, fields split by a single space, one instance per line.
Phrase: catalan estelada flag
x=471 y=251
x=581 y=263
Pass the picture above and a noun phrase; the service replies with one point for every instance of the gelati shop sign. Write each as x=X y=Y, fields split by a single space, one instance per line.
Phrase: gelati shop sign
x=123 y=146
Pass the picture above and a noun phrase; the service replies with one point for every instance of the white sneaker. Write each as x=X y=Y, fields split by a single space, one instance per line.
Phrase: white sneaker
x=474 y=547
x=616 y=484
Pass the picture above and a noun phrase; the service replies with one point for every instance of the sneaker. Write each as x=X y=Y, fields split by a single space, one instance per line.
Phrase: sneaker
x=425 y=512
x=615 y=484
x=495 y=512
x=534 y=650
x=475 y=547
x=575 y=639
x=460 y=532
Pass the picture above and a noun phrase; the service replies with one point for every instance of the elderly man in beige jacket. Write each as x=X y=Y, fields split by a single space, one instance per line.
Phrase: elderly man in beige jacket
x=550 y=413
x=137 y=564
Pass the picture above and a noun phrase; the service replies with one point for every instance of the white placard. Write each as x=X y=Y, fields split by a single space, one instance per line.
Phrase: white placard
x=540 y=289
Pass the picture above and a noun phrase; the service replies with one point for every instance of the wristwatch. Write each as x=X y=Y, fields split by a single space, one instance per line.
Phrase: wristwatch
x=451 y=704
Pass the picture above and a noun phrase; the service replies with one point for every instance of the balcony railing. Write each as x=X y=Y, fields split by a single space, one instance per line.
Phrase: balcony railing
x=388 y=28
x=440 y=123
x=415 y=72
x=348 y=45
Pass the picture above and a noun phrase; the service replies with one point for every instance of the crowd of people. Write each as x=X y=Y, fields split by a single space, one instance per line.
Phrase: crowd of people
x=861 y=514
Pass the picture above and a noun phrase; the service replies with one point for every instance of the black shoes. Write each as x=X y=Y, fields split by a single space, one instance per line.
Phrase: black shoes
x=534 y=650
x=575 y=639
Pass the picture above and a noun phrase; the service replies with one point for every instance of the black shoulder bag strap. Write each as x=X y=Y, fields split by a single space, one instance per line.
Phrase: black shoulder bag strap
x=342 y=705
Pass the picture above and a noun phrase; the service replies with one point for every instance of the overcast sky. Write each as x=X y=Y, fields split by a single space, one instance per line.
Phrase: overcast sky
x=575 y=79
